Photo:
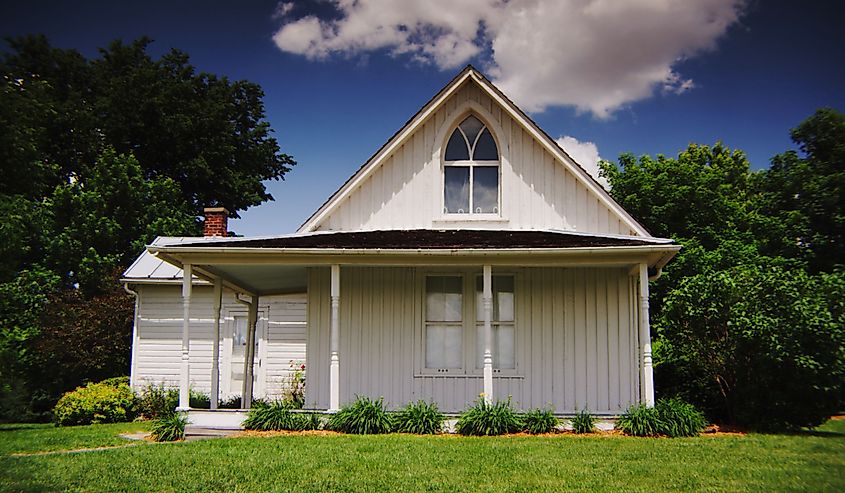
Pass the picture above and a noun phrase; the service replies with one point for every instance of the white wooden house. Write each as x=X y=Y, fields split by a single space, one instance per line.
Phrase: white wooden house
x=469 y=256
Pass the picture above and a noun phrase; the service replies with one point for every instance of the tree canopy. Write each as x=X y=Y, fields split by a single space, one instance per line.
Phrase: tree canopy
x=748 y=318
x=98 y=157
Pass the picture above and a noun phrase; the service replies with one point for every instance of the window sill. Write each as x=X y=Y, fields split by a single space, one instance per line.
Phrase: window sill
x=464 y=219
x=479 y=376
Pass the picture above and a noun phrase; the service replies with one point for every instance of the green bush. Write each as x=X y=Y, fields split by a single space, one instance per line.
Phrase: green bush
x=273 y=417
x=198 y=400
x=641 y=421
x=539 y=421
x=485 y=419
x=155 y=401
x=679 y=419
x=419 y=417
x=365 y=416
x=108 y=402
x=311 y=421
x=755 y=345
x=169 y=427
x=583 y=422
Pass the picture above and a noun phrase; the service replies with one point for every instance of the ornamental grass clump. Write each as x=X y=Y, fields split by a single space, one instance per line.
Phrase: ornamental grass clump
x=679 y=418
x=421 y=418
x=487 y=419
x=365 y=416
x=275 y=416
x=169 y=427
x=538 y=421
x=583 y=422
x=641 y=421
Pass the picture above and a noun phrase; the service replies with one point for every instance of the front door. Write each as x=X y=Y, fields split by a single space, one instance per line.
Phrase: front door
x=235 y=339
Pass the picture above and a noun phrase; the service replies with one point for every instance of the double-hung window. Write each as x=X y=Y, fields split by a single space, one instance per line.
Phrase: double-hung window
x=454 y=323
x=501 y=321
x=471 y=170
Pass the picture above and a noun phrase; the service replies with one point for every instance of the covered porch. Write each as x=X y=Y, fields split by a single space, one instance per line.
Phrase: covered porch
x=579 y=335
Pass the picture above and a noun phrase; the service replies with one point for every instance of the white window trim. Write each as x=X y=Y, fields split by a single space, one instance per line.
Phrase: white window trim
x=469 y=323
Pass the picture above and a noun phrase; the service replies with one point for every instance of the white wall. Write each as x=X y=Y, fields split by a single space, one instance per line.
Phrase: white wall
x=576 y=341
x=159 y=337
x=537 y=191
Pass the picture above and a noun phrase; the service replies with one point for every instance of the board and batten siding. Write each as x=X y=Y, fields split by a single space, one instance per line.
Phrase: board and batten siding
x=537 y=190
x=158 y=344
x=576 y=341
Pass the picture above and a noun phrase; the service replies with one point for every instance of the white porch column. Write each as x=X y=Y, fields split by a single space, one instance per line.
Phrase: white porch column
x=487 y=299
x=215 y=351
x=334 y=342
x=184 y=368
x=249 y=357
x=647 y=374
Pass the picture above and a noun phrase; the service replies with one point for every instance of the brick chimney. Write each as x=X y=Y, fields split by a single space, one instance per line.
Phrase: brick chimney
x=216 y=221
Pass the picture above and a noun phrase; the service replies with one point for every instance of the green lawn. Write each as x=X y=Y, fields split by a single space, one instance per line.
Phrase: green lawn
x=805 y=462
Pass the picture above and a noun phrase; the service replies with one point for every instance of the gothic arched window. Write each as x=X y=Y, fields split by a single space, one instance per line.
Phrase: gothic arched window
x=471 y=170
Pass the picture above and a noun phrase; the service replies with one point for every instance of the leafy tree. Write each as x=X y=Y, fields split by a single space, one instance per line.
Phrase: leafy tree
x=99 y=156
x=761 y=346
x=801 y=199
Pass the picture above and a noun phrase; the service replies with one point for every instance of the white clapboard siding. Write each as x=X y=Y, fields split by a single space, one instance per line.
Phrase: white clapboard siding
x=159 y=337
x=537 y=190
x=576 y=341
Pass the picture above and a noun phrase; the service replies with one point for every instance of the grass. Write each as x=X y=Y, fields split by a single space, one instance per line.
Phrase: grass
x=30 y=438
x=799 y=462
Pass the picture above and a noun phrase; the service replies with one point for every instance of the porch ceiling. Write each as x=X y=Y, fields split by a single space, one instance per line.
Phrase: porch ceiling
x=263 y=279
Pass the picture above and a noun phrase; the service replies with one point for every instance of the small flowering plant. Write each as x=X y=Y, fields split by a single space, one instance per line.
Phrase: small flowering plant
x=295 y=385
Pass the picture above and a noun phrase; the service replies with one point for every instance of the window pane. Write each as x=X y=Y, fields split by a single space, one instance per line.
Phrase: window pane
x=471 y=126
x=444 y=299
x=443 y=348
x=456 y=189
x=239 y=335
x=485 y=148
x=485 y=189
x=456 y=148
x=502 y=299
x=504 y=350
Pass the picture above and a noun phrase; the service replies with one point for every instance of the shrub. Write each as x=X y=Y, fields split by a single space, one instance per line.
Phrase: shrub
x=116 y=381
x=155 y=401
x=486 y=419
x=309 y=421
x=539 y=421
x=198 y=400
x=365 y=416
x=233 y=402
x=95 y=403
x=583 y=422
x=641 y=421
x=169 y=427
x=758 y=346
x=419 y=417
x=275 y=416
x=679 y=419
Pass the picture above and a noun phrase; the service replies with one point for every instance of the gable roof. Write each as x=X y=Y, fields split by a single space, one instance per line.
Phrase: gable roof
x=469 y=73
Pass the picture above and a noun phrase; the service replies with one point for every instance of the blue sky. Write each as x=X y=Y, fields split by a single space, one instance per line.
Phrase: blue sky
x=637 y=81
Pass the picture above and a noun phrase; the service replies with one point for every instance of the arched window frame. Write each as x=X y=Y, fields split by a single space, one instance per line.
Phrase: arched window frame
x=472 y=164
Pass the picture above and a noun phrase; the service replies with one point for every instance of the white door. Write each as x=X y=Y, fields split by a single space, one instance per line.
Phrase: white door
x=235 y=344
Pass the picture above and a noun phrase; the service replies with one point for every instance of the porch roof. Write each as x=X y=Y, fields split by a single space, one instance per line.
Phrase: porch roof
x=275 y=265
x=429 y=239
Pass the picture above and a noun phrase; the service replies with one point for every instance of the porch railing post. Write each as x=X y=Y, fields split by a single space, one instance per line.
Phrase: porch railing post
x=184 y=367
x=249 y=357
x=647 y=375
x=334 y=341
x=215 y=348
x=487 y=298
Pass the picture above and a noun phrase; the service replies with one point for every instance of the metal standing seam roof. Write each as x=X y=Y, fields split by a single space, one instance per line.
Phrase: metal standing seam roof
x=149 y=267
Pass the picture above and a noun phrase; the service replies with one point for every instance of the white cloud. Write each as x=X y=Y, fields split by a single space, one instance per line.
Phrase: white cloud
x=586 y=154
x=594 y=55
